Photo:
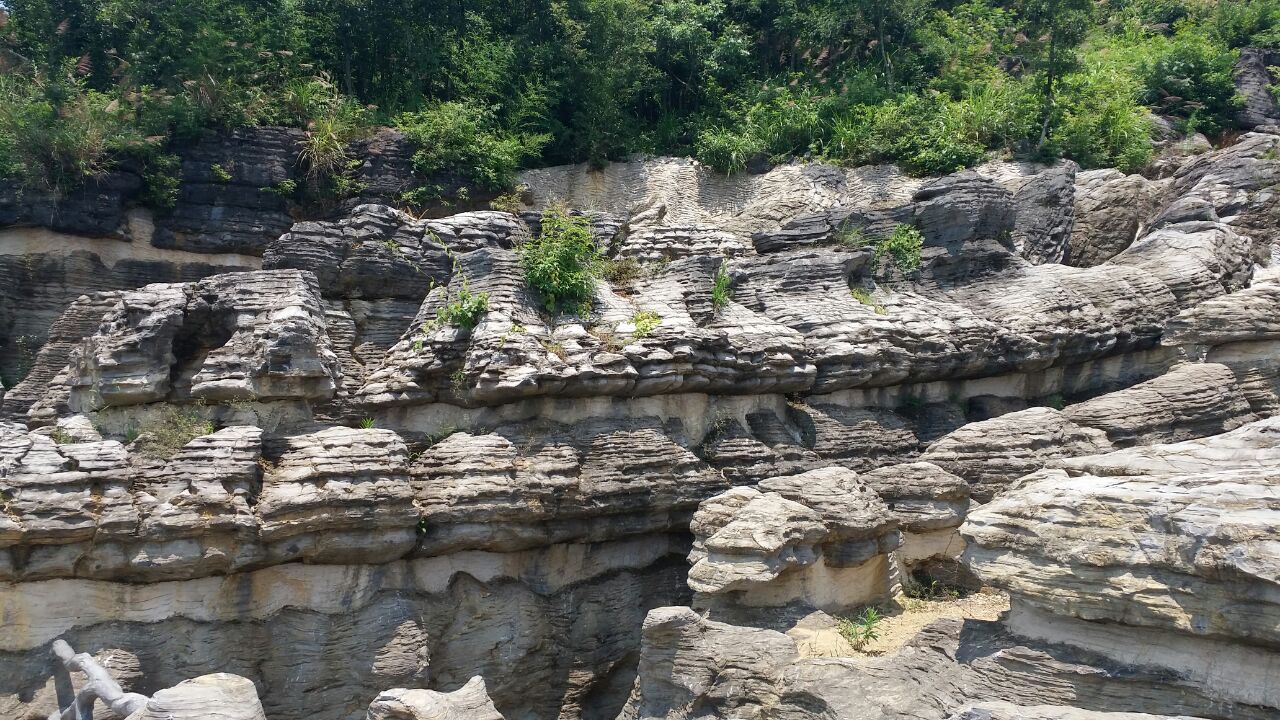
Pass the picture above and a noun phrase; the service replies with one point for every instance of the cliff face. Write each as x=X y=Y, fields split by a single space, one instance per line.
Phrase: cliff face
x=244 y=446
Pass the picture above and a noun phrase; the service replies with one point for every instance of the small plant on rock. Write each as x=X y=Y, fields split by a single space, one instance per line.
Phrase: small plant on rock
x=167 y=434
x=463 y=311
x=563 y=262
x=721 y=289
x=865 y=298
x=646 y=321
x=862 y=628
x=366 y=423
x=902 y=248
x=508 y=202
x=220 y=173
x=621 y=272
x=852 y=236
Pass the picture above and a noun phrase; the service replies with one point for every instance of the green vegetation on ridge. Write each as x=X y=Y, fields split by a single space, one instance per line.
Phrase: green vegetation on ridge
x=485 y=87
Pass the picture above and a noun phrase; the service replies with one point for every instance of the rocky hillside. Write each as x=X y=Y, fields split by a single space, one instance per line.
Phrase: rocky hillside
x=291 y=468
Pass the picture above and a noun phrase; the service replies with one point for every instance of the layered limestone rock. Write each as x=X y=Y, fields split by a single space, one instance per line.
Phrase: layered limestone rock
x=1193 y=400
x=1239 y=331
x=248 y=336
x=1155 y=557
x=469 y=702
x=307 y=476
x=819 y=539
x=691 y=666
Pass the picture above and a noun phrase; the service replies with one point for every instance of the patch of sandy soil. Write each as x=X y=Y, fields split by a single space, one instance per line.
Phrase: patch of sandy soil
x=819 y=636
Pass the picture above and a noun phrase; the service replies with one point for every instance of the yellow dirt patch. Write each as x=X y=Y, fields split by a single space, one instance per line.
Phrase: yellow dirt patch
x=820 y=636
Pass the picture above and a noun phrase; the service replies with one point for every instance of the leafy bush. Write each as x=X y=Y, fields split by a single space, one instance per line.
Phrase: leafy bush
x=721 y=289
x=463 y=311
x=931 y=134
x=55 y=133
x=902 y=248
x=622 y=272
x=1192 y=79
x=865 y=298
x=562 y=262
x=1101 y=123
x=726 y=150
x=462 y=138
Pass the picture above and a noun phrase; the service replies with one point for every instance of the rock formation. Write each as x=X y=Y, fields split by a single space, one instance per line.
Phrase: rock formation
x=247 y=444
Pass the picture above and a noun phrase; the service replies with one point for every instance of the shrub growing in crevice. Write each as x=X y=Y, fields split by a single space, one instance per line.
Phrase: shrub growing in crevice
x=562 y=263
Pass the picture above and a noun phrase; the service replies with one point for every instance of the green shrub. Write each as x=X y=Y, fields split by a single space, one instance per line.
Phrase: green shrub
x=902 y=248
x=462 y=138
x=865 y=298
x=1192 y=79
x=926 y=135
x=220 y=173
x=562 y=262
x=646 y=321
x=161 y=176
x=462 y=311
x=508 y=202
x=622 y=272
x=55 y=133
x=1102 y=124
x=721 y=289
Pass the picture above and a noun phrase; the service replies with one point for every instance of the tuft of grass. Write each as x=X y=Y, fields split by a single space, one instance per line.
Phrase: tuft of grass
x=554 y=348
x=608 y=339
x=931 y=590
x=61 y=437
x=508 y=202
x=865 y=298
x=166 y=435
x=861 y=628
x=622 y=272
x=366 y=423
x=646 y=321
x=721 y=289
x=852 y=236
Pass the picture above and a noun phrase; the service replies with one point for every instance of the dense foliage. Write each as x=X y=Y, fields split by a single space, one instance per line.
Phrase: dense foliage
x=485 y=87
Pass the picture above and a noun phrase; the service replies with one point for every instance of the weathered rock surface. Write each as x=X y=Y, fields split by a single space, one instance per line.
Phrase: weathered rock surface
x=817 y=539
x=1110 y=208
x=469 y=702
x=229 y=337
x=219 y=696
x=1149 y=556
x=691 y=666
x=1254 y=82
x=1193 y=400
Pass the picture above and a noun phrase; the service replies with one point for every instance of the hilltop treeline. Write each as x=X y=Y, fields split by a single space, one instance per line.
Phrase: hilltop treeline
x=485 y=87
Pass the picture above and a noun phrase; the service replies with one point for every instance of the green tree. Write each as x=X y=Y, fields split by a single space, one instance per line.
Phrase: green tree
x=1051 y=30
